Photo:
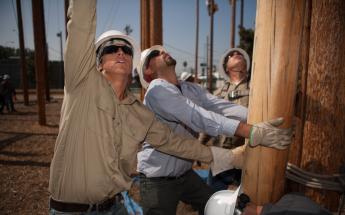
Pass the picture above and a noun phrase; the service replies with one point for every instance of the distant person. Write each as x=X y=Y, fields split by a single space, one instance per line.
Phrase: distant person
x=103 y=125
x=188 y=109
x=7 y=94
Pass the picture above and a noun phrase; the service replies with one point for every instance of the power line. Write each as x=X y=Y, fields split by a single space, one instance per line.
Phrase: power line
x=186 y=52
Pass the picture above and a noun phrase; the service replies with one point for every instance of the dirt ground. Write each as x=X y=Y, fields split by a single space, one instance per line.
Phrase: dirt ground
x=26 y=149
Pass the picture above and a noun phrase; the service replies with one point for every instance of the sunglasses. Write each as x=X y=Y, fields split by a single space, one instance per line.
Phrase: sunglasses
x=152 y=55
x=115 y=48
x=233 y=53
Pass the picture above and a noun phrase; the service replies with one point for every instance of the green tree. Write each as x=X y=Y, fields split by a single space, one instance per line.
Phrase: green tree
x=247 y=40
x=128 y=30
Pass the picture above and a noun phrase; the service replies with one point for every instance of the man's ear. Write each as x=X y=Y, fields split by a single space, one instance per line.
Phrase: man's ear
x=148 y=75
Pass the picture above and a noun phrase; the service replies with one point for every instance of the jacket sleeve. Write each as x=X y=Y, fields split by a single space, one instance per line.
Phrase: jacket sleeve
x=169 y=103
x=80 y=56
x=163 y=139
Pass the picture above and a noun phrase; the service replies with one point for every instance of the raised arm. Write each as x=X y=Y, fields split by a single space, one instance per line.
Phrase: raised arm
x=80 y=56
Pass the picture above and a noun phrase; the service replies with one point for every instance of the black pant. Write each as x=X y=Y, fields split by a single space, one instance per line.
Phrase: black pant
x=160 y=196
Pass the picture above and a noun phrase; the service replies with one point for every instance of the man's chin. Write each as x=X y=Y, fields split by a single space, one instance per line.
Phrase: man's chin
x=171 y=62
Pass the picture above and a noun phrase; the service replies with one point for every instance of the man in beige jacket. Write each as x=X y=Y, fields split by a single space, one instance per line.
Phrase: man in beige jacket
x=102 y=124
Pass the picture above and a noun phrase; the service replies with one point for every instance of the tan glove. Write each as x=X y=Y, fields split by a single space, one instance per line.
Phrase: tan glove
x=268 y=134
x=225 y=159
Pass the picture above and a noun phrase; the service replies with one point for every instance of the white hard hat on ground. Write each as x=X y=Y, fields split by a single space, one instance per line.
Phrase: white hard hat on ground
x=114 y=34
x=225 y=55
x=142 y=64
x=185 y=75
x=222 y=202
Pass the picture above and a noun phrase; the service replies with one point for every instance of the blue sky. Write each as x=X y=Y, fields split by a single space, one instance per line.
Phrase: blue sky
x=178 y=24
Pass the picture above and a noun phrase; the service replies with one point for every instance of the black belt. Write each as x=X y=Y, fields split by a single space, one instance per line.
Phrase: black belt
x=77 y=207
x=165 y=178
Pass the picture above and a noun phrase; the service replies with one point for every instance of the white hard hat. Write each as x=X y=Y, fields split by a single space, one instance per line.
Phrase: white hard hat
x=222 y=203
x=142 y=64
x=114 y=34
x=6 y=77
x=185 y=75
x=222 y=59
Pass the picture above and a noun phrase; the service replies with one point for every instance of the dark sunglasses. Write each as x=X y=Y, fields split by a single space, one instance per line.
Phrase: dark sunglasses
x=232 y=53
x=152 y=55
x=114 y=48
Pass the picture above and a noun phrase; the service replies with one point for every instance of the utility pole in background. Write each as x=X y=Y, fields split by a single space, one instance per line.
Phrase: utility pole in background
x=241 y=18
x=61 y=57
x=233 y=23
x=212 y=8
x=66 y=18
x=40 y=52
x=150 y=26
x=196 y=43
x=22 y=54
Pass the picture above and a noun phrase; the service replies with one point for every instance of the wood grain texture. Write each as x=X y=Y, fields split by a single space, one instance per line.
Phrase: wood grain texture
x=324 y=131
x=277 y=44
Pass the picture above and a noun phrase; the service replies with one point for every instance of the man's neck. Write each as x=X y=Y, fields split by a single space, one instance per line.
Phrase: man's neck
x=119 y=84
x=237 y=77
x=169 y=75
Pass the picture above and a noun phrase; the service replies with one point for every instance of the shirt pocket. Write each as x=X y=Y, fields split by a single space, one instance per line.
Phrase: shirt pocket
x=102 y=121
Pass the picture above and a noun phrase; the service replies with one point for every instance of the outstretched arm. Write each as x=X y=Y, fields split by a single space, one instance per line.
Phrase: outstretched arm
x=80 y=56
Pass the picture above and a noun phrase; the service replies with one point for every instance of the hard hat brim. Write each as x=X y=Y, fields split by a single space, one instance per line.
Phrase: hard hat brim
x=114 y=34
x=142 y=63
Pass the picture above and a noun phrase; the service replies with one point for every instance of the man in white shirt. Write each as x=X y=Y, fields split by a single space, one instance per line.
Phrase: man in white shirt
x=188 y=109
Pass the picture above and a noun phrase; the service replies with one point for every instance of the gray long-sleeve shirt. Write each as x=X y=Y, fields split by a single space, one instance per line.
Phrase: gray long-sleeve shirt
x=191 y=107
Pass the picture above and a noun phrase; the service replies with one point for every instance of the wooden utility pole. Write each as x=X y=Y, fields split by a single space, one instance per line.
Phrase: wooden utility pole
x=233 y=23
x=61 y=57
x=212 y=8
x=22 y=54
x=151 y=23
x=150 y=26
x=46 y=62
x=66 y=18
x=241 y=17
x=323 y=137
x=196 y=43
x=40 y=51
x=295 y=152
x=278 y=36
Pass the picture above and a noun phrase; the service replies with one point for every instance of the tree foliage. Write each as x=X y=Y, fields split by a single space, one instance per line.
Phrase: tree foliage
x=247 y=40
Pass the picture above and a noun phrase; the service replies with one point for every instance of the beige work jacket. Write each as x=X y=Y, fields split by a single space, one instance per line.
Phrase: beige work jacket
x=224 y=91
x=99 y=136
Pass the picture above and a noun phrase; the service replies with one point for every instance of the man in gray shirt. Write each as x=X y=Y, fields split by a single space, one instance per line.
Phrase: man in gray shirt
x=188 y=109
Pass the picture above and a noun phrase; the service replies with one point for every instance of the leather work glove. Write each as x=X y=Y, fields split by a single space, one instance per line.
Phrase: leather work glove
x=225 y=159
x=268 y=134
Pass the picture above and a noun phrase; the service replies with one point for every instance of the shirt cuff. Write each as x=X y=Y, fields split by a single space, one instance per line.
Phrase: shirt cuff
x=229 y=127
x=222 y=160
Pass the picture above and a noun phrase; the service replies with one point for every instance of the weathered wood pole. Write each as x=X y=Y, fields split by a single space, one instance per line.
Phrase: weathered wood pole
x=323 y=150
x=40 y=51
x=277 y=44
x=233 y=23
x=150 y=26
x=24 y=73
